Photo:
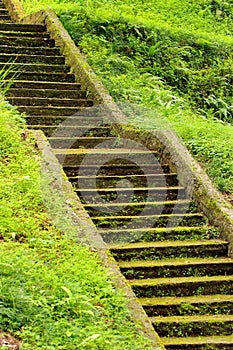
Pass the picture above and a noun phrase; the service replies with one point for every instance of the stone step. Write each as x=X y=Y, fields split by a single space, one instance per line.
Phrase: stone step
x=184 y=306
x=26 y=58
x=189 y=219
x=169 y=250
x=182 y=286
x=75 y=131
x=55 y=111
x=77 y=142
x=137 y=180
x=199 y=343
x=177 y=268
x=18 y=27
x=5 y=17
x=149 y=208
x=45 y=85
x=50 y=102
x=40 y=76
x=60 y=121
x=26 y=42
x=12 y=33
x=33 y=51
x=186 y=326
x=30 y=67
x=47 y=93
x=156 y=234
x=122 y=194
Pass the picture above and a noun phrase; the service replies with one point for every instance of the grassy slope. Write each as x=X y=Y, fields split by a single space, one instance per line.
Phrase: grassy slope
x=54 y=293
x=173 y=57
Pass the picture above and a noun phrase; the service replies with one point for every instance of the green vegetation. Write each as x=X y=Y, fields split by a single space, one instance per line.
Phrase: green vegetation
x=173 y=57
x=54 y=293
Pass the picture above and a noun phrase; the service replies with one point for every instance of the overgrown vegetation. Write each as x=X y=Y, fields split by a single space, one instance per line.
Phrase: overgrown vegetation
x=54 y=293
x=173 y=57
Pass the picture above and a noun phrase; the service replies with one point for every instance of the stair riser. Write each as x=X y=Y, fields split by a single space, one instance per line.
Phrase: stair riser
x=77 y=143
x=194 y=329
x=170 y=252
x=34 y=68
x=185 y=309
x=57 y=121
x=160 y=222
x=75 y=131
x=27 y=42
x=184 y=289
x=51 y=103
x=22 y=27
x=52 y=111
x=45 y=93
x=40 y=51
x=38 y=85
x=23 y=58
x=5 y=18
x=181 y=271
x=51 y=77
x=10 y=34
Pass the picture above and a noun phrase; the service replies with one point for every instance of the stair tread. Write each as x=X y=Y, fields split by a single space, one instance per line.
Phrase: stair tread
x=178 y=280
x=170 y=202
x=127 y=151
x=193 y=318
x=227 y=339
x=175 y=262
x=186 y=215
x=126 y=189
x=166 y=244
x=158 y=229
x=218 y=298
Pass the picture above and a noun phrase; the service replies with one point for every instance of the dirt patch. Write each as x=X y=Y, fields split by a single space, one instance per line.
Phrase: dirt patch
x=8 y=341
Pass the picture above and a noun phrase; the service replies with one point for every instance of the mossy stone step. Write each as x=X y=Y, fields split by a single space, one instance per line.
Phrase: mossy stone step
x=185 y=326
x=51 y=102
x=25 y=58
x=44 y=85
x=55 y=111
x=75 y=131
x=153 y=208
x=34 y=51
x=157 y=234
x=26 y=42
x=24 y=34
x=77 y=142
x=47 y=93
x=36 y=68
x=182 y=286
x=159 y=220
x=199 y=343
x=195 y=305
x=60 y=121
x=41 y=76
x=177 y=268
x=18 y=27
x=169 y=249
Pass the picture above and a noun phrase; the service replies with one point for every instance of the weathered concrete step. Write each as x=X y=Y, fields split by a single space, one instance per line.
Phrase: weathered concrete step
x=55 y=111
x=123 y=194
x=182 y=286
x=169 y=249
x=47 y=93
x=189 y=219
x=177 y=268
x=40 y=76
x=195 y=305
x=26 y=42
x=17 y=27
x=31 y=67
x=199 y=343
x=60 y=121
x=157 y=234
x=185 y=326
x=44 y=85
x=100 y=156
x=75 y=131
x=77 y=142
x=48 y=102
x=34 y=51
x=137 y=180
x=25 y=58
x=149 y=208
x=24 y=34
x=3 y=11
x=5 y=17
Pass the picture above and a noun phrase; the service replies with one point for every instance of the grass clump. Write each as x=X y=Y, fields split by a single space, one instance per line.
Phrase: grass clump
x=54 y=293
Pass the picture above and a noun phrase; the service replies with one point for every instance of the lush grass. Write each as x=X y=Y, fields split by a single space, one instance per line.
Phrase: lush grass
x=54 y=293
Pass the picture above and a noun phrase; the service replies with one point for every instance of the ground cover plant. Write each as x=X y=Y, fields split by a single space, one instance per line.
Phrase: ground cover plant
x=54 y=293
x=175 y=58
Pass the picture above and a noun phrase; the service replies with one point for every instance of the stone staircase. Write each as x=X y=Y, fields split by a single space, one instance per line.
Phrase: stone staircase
x=174 y=261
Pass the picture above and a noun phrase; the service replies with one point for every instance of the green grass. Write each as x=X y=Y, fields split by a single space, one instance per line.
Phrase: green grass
x=173 y=57
x=54 y=293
